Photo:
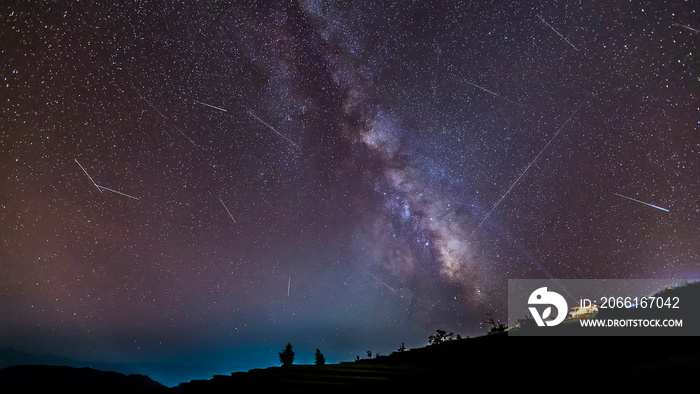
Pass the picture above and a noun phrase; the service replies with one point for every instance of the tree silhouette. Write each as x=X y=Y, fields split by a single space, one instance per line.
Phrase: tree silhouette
x=440 y=337
x=495 y=327
x=401 y=348
x=287 y=356
x=320 y=360
x=369 y=354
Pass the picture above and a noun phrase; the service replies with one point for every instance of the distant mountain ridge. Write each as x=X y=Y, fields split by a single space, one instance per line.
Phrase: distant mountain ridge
x=10 y=357
x=27 y=378
x=168 y=374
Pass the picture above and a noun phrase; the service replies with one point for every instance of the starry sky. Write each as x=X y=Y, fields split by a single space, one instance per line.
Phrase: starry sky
x=209 y=181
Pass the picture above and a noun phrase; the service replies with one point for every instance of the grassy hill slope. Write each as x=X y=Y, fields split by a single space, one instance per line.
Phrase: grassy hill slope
x=489 y=359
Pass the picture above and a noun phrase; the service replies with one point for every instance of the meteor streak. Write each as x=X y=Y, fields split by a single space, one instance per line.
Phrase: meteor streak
x=118 y=192
x=184 y=135
x=562 y=37
x=99 y=187
x=390 y=288
x=166 y=118
x=209 y=105
x=229 y=212
x=273 y=129
x=152 y=106
x=495 y=94
x=525 y=170
x=88 y=175
x=688 y=27
x=642 y=202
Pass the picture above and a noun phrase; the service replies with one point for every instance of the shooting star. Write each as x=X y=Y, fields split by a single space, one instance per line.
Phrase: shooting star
x=525 y=170
x=390 y=288
x=166 y=118
x=495 y=94
x=88 y=175
x=118 y=192
x=687 y=27
x=152 y=106
x=555 y=30
x=229 y=212
x=289 y=285
x=436 y=74
x=209 y=105
x=642 y=202
x=100 y=187
x=273 y=129
x=188 y=138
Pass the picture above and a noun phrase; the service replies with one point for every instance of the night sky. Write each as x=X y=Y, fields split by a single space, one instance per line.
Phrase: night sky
x=209 y=181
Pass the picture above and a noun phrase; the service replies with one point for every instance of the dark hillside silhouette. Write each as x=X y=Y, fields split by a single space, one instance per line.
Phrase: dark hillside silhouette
x=463 y=362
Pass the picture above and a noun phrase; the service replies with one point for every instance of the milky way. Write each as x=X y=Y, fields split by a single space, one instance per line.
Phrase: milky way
x=316 y=172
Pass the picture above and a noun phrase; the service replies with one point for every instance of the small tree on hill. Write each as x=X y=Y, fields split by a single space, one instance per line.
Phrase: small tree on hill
x=287 y=356
x=495 y=326
x=320 y=360
x=440 y=337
